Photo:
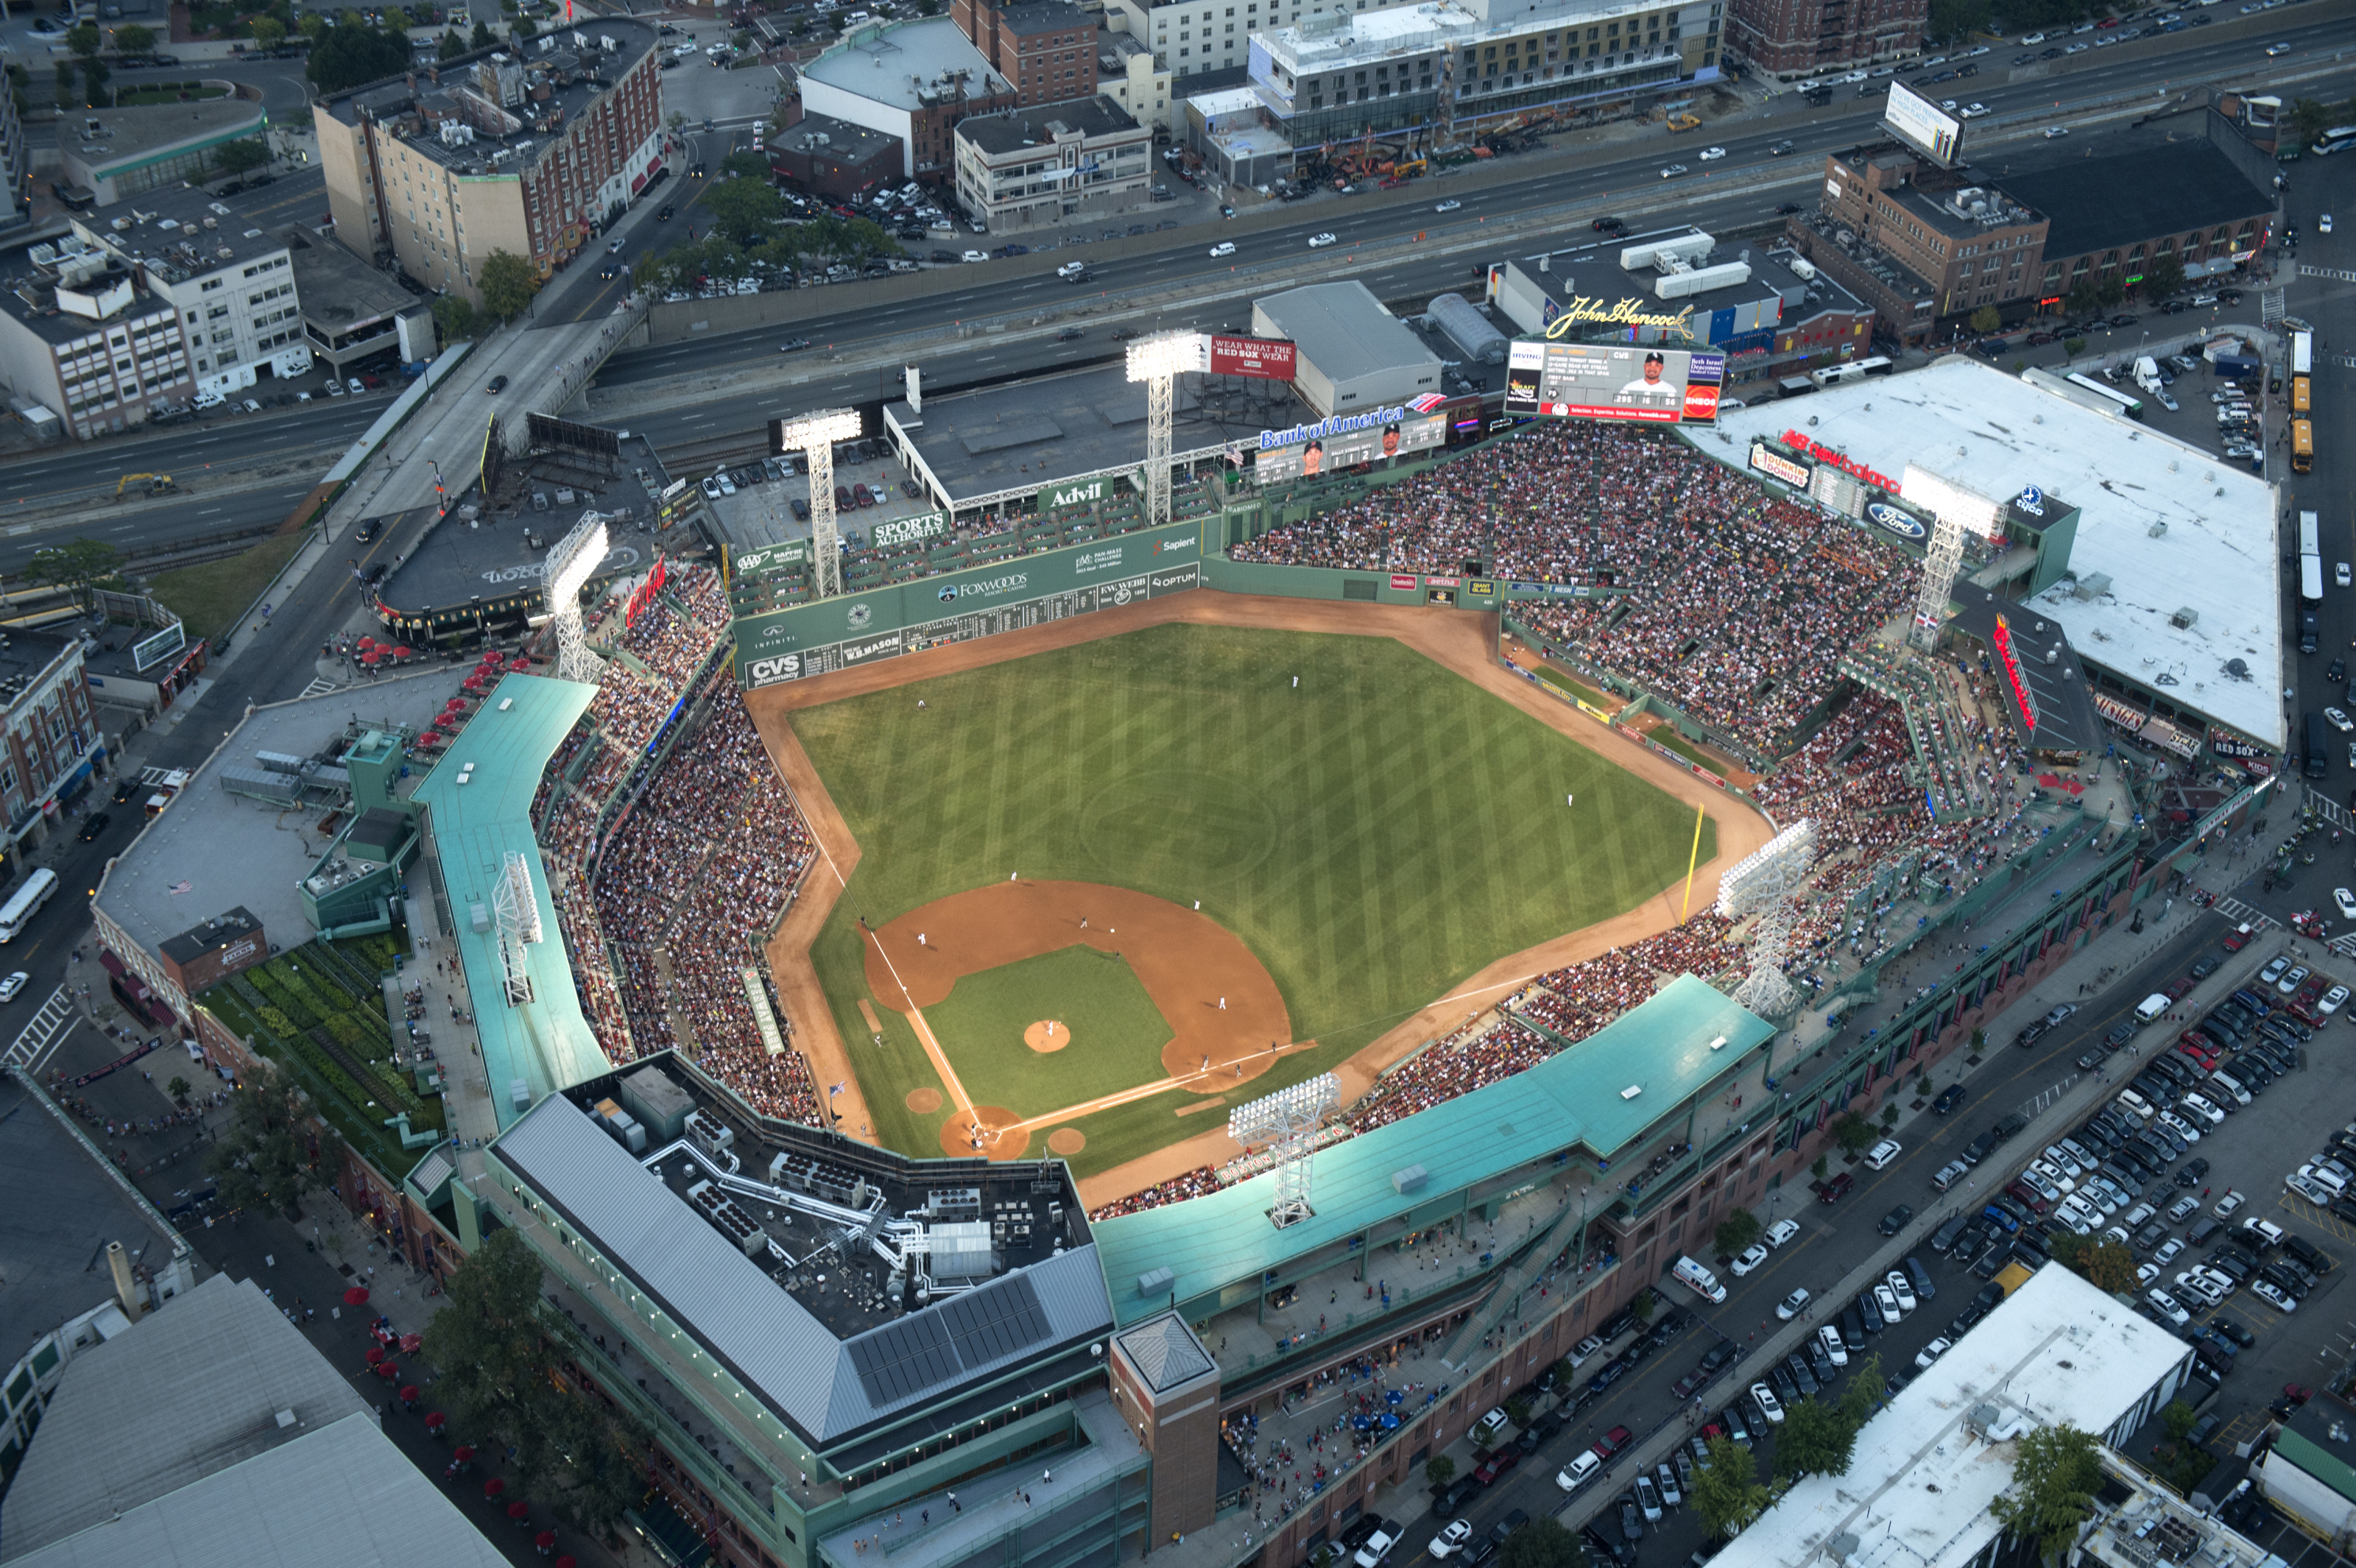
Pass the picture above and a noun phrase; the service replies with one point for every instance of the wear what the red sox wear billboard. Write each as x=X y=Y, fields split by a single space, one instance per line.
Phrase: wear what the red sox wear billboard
x=1262 y=359
x=1613 y=381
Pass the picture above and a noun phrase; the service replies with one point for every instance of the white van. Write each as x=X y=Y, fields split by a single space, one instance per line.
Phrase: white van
x=2151 y=1007
x=1699 y=1280
x=2135 y=1104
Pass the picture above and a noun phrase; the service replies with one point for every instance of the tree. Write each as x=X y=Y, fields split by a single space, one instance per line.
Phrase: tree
x=2084 y=295
x=347 y=55
x=1737 y=1232
x=483 y=38
x=746 y=165
x=314 y=25
x=78 y=565
x=1816 y=1439
x=131 y=38
x=1979 y=1040
x=2164 y=276
x=2180 y=1418
x=1517 y=1410
x=1641 y=1309
x=272 y=1153
x=1822 y=1165
x=2054 y=1474
x=65 y=82
x=84 y=40
x=1727 y=1491
x=454 y=314
x=1987 y=319
x=1862 y=1397
x=1542 y=1544
x=1852 y=1132
x=508 y=283
x=2106 y=1266
x=746 y=211
x=239 y=156
x=1440 y=1472
x=1890 y=1114
x=451 y=46
x=93 y=80
x=180 y=1091
x=268 y=32
x=2308 y=120
x=2113 y=291
x=501 y=1367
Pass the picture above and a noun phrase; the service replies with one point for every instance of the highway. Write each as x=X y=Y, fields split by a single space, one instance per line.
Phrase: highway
x=1738 y=193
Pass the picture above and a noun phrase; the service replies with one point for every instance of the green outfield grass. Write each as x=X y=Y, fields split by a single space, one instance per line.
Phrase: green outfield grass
x=1116 y=1030
x=1376 y=835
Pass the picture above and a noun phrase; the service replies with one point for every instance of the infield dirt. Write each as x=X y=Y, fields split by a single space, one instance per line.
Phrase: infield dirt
x=1460 y=642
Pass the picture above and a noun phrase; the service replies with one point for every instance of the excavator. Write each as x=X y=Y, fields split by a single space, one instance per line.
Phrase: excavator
x=156 y=484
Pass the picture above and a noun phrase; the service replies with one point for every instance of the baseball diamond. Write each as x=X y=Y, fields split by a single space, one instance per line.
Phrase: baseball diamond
x=1363 y=845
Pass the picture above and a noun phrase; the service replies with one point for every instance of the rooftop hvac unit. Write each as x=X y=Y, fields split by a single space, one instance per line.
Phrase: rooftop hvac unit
x=2093 y=585
x=2184 y=618
x=1679 y=248
x=960 y=1251
x=1801 y=268
x=1156 y=1282
x=1701 y=280
x=1411 y=1179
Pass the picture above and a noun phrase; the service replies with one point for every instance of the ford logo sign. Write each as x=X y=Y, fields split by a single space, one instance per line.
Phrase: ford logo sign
x=1896 y=521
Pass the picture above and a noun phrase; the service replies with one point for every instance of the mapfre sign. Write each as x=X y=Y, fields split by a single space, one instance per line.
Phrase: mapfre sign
x=1264 y=358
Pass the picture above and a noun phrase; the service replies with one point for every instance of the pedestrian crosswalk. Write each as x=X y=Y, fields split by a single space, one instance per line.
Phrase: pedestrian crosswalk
x=2343 y=945
x=2337 y=274
x=2270 y=307
x=2331 y=811
x=2240 y=913
x=319 y=687
x=42 y=1035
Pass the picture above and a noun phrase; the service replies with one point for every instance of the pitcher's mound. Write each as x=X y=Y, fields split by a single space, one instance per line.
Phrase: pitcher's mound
x=1068 y=1140
x=924 y=1102
x=1048 y=1034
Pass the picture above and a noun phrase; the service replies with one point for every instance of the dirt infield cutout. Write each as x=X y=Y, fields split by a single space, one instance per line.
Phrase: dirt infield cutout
x=924 y=1102
x=1046 y=1035
x=1067 y=1141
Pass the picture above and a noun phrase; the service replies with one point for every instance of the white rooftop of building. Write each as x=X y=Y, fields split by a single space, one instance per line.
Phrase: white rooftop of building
x=904 y=63
x=1370 y=34
x=2216 y=555
x=1925 y=1470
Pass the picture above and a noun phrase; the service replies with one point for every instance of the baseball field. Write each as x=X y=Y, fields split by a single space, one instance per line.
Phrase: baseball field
x=1103 y=891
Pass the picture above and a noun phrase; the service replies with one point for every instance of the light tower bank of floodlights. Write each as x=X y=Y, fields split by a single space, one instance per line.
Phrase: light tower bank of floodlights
x=1156 y=361
x=1765 y=883
x=1954 y=511
x=1287 y=1122
x=571 y=565
x=813 y=435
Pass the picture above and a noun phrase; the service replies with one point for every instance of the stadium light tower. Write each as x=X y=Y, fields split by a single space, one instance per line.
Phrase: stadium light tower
x=518 y=914
x=1287 y=1122
x=814 y=435
x=1954 y=511
x=571 y=565
x=1764 y=883
x=1156 y=361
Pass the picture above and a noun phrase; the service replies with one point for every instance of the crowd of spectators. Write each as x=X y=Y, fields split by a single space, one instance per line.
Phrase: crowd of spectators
x=1576 y=1001
x=1473 y=1058
x=1194 y=1183
x=695 y=873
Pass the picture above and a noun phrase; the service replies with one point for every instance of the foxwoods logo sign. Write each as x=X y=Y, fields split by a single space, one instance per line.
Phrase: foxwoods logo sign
x=1269 y=440
x=952 y=591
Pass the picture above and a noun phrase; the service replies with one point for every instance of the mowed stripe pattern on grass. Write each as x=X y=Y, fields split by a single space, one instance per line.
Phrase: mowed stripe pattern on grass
x=1375 y=834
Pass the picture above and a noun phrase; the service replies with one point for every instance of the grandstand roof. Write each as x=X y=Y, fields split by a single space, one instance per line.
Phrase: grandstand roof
x=2174 y=527
x=214 y=852
x=454 y=564
x=1663 y=1047
x=546 y=1042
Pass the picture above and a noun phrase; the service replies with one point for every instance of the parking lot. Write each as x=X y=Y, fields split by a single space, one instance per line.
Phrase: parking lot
x=768 y=502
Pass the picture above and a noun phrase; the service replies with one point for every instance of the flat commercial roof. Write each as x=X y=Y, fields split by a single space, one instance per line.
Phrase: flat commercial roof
x=545 y=1042
x=900 y=64
x=1014 y=129
x=2214 y=551
x=828 y=1388
x=161 y=223
x=248 y=1448
x=1662 y=1047
x=125 y=137
x=1054 y=429
x=1925 y=1470
x=213 y=850
x=2128 y=187
x=1343 y=329
x=337 y=288
x=46 y=1246
x=456 y=562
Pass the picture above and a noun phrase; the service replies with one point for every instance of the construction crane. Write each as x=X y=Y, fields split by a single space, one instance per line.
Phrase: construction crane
x=158 y=484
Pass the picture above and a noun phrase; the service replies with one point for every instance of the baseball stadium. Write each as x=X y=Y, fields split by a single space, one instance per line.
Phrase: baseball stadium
x=956 y=1021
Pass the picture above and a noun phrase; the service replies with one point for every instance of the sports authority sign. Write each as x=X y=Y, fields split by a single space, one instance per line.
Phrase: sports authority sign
x=1263 y=358
x=908 y=617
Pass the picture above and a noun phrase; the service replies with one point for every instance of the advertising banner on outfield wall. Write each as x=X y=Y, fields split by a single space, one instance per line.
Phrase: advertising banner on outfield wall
x=958 y=606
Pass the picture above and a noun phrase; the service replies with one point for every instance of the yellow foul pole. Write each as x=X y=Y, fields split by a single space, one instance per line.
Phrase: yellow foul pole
x=1692 y=861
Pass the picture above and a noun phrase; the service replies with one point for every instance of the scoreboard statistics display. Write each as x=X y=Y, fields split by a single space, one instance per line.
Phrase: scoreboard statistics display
x=1629 y=381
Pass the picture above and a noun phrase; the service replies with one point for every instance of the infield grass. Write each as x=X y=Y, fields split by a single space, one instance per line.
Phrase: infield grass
x=1376 y=835
x=1116 y=1033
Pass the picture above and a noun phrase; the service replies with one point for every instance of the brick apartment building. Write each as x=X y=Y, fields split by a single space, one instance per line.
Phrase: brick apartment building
x=1787 y=39
x=1047 y=48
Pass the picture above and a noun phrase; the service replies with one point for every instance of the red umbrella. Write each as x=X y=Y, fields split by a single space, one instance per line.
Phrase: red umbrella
x=545 y=1540
x=494 y=1487
x=464 y=1452
x=456 y=705
x=408 y=1394
x=367 y=641
x=375 y=1354
x=435 y=1420
x=356 y=1295
x=518 y=1512
x=388 y=1371
x=372 y=657
x=409 y=1343
x=401 y=653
